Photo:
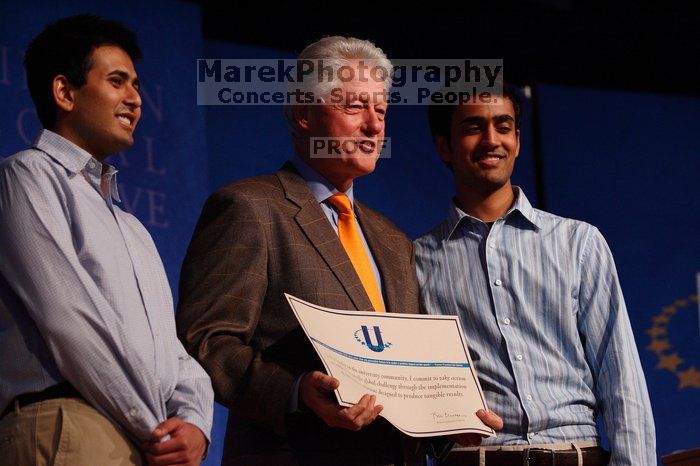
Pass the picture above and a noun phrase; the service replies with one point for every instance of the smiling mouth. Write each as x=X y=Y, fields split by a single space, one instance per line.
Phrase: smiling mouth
x=490 y=157
x=126 y=121
x=367 y=147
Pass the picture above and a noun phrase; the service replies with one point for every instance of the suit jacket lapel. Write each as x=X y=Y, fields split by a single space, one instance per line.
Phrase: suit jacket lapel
x=314 y=223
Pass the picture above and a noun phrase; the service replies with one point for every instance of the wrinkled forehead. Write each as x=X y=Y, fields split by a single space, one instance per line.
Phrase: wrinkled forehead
x=360 y=89
x=363 y=70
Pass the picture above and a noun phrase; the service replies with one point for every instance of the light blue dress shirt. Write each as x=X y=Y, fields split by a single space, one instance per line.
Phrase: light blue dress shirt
x=547 y=326
x=84 y=296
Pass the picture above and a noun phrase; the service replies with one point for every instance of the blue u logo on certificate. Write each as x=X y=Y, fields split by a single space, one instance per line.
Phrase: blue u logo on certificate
x=377 y=346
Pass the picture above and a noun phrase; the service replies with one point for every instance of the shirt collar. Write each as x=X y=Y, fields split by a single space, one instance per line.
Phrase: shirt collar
x=75 y=159
x=522 y=205
x=320 y=187
x=455 y=215
x=113 y=186
x=70 y=156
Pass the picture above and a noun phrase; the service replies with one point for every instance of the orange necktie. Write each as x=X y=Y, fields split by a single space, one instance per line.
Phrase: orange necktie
x=349 y=235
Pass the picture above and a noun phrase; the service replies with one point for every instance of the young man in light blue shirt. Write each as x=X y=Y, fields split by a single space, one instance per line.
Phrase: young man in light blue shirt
x=540 y=302
x=92 y=371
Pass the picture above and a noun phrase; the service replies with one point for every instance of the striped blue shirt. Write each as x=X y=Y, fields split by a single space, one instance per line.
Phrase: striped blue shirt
x=84 y=296
x=547 y=327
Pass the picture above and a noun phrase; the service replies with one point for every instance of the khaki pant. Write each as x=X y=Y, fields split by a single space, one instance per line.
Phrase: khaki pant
x=63 y=432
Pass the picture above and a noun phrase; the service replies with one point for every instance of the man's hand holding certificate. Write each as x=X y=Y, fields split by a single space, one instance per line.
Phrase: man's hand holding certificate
x=416 y=367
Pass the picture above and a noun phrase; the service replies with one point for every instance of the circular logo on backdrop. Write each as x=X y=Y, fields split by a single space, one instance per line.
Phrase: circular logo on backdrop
x=670 y=357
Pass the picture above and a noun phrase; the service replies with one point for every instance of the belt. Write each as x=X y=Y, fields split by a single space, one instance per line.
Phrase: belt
x=61 y=390
x=593 y=456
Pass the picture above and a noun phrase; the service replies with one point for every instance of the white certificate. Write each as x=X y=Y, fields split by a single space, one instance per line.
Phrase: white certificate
x=418 y=366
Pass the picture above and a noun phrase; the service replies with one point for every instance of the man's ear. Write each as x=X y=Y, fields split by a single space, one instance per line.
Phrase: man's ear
x=443 y=148
x=517 y=138
x=301 y=116
x=63 y=93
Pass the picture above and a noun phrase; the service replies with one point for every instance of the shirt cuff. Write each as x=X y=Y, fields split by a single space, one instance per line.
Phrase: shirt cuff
x=196 y=420
x=294 y=399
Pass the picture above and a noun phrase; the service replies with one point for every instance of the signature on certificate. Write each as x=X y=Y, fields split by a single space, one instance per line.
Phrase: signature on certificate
x=444 y=417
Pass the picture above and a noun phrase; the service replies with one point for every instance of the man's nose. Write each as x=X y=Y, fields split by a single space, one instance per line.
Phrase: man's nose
x=373 y=124
x=133 y=97
x=490 y=138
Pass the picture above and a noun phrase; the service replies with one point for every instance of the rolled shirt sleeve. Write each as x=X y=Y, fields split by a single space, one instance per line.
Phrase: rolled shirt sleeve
x=193 y=398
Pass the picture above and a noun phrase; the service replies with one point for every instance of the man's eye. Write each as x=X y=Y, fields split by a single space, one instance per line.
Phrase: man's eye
x=116 y=81
x=504 y=129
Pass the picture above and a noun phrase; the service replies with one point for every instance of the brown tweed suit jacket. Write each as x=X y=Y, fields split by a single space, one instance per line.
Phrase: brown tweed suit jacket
x=256 y=240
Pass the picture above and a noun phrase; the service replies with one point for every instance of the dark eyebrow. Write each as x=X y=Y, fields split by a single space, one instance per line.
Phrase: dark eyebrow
x=472 y=119
x=125 y=76
x=122 y=74
x=503 y=119
x=481 y=120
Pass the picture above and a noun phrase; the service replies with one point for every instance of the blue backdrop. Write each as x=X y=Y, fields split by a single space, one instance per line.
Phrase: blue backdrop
x=628 y=163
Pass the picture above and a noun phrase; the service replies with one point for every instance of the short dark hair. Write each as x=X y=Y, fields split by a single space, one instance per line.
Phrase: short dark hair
x=65 y=48
x=440 y=115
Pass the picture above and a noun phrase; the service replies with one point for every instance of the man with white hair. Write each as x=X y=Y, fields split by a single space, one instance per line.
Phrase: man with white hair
x=300 y=231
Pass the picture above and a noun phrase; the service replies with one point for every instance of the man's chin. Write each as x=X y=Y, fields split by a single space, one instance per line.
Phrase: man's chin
x=494 y=185
x=364 y=162
x=496 y=179
x=364 y=169
x=123 y=144
x=483 y=183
